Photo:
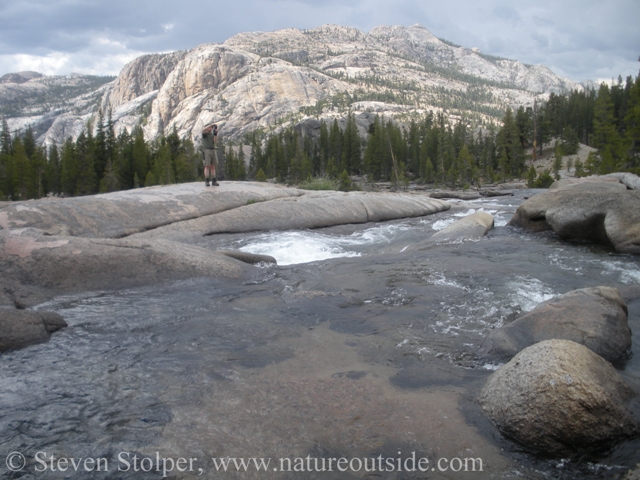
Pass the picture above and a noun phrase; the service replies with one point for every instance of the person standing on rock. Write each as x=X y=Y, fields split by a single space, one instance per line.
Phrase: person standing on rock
x=210 y=154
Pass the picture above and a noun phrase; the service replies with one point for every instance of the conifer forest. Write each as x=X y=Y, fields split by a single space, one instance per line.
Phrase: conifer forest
x=431 y=150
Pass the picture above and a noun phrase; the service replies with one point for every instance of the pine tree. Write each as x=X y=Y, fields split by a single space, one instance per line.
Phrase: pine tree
x=557 y=162
x=101 y=156
x=468 y=171
x=335 y=143
x=351 y=158
x=375 y=151
x=29 y=142
x=605 y=133
x=531 y=177
x=260 y=176
x=231 y=163
x=87 y=180
x=511 y=152
x=38 y=171
x=150 y=179
x=53 y=171
x=632 y=126
x=140 y=157
x=109 y=182
x=163 y=173
x=6 y=174
x=323 y=149
x=69 y=168
x=241 y=168
x=21 y=168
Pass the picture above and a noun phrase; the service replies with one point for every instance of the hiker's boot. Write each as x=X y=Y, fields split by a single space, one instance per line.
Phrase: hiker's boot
x=214 y=182
x=206 y=183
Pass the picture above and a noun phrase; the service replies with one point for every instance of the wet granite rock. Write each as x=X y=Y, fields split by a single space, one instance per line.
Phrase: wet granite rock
x=143 y=236
x=560 y=399
x=593 y=317
x=456 y=194
x=120 y=214
x=469 y=228
x=21 y=328
x=246 y=257
x=46 y=265
x=312 y=210
x=594 y=211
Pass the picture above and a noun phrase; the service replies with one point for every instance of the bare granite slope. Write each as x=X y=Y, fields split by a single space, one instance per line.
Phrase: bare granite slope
x=264 y=80
x=63 y=245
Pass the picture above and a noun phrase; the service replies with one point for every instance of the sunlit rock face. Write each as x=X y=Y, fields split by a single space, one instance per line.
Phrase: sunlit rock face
x=267 y=80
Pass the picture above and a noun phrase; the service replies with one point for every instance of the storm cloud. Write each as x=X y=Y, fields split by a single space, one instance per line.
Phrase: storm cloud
x=580 y=40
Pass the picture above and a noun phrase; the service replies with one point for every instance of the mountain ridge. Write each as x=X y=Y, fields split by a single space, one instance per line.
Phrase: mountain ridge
x=264 y=80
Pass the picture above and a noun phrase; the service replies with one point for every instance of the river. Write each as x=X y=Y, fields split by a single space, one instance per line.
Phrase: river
x=354 y=346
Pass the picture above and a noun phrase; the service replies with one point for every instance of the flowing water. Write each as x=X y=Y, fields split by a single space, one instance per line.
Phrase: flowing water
x=354 y=346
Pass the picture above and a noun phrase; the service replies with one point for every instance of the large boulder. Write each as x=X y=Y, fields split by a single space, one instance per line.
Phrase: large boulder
x=455 y=194
x=558 y=398
x=594 y=211
x=119 y=214
x=143 y=236
x=470 y=228
x=312 y=210
x=20 y=328
x=593 y=317
x=36 y=266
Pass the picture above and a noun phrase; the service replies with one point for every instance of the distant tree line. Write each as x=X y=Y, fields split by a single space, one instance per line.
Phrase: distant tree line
x=433 y=150
x=97 y=161
x=430 y=150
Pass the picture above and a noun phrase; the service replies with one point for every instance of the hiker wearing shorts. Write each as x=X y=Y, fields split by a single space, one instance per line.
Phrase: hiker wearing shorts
x=210 y=153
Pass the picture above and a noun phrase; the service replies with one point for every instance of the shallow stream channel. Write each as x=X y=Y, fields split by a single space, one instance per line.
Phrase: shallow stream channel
x=354 y=347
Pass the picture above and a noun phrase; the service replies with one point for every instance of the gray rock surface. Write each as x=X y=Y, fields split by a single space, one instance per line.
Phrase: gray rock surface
x=119 y=214
x=138 y=237
x=251 y=258
x=595 y=211
x=312 y=210
x=630 y=180
x=613 y=182
x=593 y=317
x=560 y=399
x=20 y=328
x=460 y=195
x=470 y=228
x=63 y=264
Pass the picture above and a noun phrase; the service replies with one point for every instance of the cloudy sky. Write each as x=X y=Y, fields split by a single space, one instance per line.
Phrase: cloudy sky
x=577 y=39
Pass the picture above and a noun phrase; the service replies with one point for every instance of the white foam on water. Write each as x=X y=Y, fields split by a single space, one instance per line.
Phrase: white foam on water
x=290 y=248
x=529 y=292
x=491 y=366
x=501 y=220
x=295 y=247
x=559 y=259
x=440 y=224
x=438 y=278
x=628 y=272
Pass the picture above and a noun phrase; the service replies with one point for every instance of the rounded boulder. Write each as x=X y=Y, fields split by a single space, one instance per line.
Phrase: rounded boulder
x=594 y=317
x=558 y=398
